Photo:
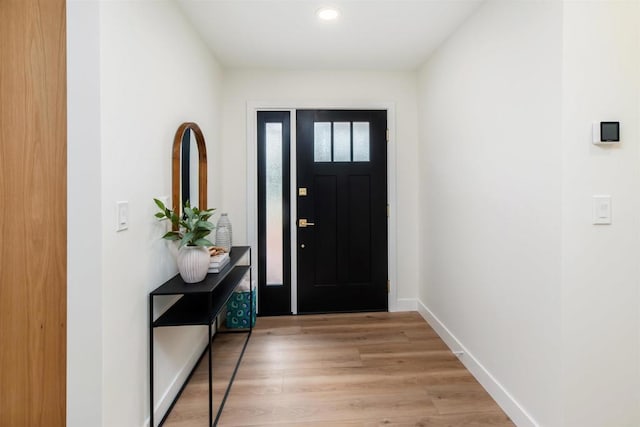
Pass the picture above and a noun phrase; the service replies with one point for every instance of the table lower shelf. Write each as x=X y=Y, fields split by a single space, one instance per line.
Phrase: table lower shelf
x=201 y=309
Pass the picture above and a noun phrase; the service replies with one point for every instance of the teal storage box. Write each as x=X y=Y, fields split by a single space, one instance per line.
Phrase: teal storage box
x=238 y=310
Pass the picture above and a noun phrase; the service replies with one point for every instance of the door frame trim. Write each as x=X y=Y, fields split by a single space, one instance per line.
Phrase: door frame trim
x=252 y=181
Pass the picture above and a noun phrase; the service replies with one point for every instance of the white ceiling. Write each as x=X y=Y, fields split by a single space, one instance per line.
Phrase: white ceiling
x=285 y=34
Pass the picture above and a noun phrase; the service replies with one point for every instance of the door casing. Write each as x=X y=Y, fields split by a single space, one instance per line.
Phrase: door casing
x=252 y=187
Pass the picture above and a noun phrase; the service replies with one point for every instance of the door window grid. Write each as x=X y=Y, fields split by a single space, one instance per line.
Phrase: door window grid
x=341 y=142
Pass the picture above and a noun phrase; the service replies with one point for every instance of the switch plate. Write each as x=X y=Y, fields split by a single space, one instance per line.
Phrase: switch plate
x=123 y=215
x=602 y=210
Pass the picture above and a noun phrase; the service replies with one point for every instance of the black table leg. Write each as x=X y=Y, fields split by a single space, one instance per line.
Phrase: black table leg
x=151 y=402
x=210 y=380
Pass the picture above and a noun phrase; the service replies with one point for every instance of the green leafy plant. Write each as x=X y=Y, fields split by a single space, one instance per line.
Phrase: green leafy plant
x=192 y=229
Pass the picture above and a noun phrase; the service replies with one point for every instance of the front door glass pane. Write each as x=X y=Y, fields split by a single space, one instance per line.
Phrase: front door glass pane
x=342 y=142
x=322 y=141
x=360 y=141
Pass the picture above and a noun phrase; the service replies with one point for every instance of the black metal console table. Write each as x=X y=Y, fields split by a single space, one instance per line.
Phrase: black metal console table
x=200 y=305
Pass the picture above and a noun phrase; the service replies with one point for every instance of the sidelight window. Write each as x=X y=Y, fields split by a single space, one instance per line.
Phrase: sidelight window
x=274 y=169
x=274 y=222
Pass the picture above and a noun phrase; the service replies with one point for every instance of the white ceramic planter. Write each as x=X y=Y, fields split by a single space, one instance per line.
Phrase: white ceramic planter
x=193 y=263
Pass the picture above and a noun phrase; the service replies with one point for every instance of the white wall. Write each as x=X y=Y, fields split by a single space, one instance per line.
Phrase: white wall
x=154 y=73
x=514 y=271
x=84 y=241
x=317 y=89
x=490 y=201
x=601 y=272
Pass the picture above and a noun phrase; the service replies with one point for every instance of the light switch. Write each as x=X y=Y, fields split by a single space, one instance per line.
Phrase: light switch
x=602 y=209
x=123 y=215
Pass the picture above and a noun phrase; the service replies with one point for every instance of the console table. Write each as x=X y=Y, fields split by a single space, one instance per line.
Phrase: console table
x=200 y=304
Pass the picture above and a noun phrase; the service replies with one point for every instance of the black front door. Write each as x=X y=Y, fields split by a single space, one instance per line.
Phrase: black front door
x=342 y=210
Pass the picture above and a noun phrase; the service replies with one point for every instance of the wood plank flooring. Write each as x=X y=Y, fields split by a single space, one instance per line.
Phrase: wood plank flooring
x=347 y=370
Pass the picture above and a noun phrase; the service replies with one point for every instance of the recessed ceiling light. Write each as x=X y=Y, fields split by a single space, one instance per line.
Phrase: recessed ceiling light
x=328 y=14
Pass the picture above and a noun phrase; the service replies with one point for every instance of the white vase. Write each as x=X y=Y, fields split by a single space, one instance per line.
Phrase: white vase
x=225 y=222
x=193 y=263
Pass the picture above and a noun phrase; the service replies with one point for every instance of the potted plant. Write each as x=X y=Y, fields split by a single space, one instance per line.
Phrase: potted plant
x=191 y=231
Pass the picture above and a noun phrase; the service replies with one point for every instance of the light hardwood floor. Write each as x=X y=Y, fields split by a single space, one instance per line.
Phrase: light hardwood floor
x=351 y=370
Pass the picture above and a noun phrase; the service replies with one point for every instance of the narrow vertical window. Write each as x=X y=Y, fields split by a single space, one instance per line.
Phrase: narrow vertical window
x=274 y=218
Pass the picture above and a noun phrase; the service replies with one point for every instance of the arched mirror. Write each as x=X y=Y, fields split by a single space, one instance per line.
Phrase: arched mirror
x=189 y=167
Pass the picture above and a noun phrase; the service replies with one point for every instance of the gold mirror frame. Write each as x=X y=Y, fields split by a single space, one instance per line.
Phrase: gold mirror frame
x=176 y=164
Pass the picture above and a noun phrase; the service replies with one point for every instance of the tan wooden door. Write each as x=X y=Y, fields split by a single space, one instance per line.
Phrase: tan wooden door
x=33 y=201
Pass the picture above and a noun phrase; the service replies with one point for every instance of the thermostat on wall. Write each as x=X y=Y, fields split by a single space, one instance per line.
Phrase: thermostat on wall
x=606 y=133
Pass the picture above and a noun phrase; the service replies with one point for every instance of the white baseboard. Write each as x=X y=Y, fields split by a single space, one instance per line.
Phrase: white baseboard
x=163 y=404
x=406 y=304
x=508 y=404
